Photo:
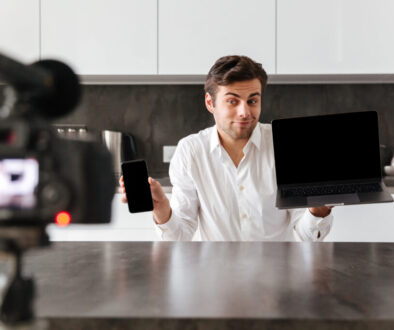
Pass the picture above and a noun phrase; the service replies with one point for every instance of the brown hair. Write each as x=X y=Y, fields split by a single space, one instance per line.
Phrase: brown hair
x=230 y=69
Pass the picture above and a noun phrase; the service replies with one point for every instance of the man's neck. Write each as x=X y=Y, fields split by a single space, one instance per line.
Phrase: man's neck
x=233 y=147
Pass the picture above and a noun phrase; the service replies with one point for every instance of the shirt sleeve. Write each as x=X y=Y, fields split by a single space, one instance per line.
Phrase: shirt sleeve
x=308 y=227
x=184 y=202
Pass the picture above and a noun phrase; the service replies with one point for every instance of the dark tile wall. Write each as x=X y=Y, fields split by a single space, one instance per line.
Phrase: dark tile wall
x=161 y=115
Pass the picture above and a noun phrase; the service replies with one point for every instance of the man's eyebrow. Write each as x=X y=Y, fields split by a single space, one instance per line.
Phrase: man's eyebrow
x=254 y=94
x=236 y=95
x=230 y=93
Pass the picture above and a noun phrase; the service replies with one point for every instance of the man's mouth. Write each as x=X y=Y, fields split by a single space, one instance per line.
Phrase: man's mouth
x=245 y=123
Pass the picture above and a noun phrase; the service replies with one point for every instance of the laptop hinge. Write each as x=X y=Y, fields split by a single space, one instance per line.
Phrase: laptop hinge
x=329 y=183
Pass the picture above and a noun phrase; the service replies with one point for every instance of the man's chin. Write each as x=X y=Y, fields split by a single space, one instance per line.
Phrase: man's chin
x=242 y=133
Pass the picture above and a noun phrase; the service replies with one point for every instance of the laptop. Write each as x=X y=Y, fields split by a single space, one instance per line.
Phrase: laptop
x=328 y=160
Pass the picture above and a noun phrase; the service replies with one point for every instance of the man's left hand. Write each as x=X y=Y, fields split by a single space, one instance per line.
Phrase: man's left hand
x=321 y=212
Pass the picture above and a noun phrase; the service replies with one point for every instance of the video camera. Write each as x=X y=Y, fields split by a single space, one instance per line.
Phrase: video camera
x=43 y=176
x=41 y=173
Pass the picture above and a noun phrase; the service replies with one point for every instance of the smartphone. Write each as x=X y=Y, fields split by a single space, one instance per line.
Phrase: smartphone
x=135 y=177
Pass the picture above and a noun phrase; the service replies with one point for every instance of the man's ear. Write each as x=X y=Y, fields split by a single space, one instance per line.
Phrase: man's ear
x=209 y=102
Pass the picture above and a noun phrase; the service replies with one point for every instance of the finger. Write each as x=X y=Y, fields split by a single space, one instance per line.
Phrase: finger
x=124 y=199
x=156 y=190
x=121 y=182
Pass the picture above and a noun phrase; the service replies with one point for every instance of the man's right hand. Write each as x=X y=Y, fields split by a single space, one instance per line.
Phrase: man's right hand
x=161 y=204
x=122 y=189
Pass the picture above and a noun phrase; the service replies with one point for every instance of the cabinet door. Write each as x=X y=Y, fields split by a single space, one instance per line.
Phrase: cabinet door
x=101 y=36
x=19 y=29
x=193 y=34
x=335 y=36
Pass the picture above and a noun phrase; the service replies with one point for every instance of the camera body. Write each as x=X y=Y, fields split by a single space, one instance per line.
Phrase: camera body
x=42 y=174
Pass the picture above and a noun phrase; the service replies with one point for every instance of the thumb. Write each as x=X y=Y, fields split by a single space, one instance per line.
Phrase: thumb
x=156 y=190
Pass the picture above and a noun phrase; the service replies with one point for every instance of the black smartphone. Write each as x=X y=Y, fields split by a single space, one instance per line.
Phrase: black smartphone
x=135 y=177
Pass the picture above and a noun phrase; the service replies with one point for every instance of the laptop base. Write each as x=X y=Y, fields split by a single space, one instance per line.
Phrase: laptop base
x=333 y=200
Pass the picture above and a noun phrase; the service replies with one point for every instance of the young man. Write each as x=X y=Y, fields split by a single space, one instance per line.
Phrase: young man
x=224 y=176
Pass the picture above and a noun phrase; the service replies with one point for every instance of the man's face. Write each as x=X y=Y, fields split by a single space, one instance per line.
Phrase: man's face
x=237 y=108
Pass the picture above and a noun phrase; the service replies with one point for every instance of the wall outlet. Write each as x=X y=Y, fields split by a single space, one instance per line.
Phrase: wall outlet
x=168 y=152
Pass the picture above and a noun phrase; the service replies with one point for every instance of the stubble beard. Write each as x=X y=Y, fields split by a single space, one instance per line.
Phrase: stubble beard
x=242 y=134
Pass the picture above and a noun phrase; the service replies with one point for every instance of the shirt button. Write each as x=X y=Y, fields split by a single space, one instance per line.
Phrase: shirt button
x=244 y=216
x=241 y=188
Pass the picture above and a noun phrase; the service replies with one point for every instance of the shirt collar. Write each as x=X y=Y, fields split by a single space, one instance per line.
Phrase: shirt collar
x=255 y=138
x=214 y=141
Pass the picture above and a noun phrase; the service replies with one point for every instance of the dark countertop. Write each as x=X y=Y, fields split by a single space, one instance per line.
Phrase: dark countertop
x=208 y=285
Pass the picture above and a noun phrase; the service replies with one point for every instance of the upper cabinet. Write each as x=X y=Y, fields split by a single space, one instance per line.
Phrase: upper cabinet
x=335 y=36
x=100 y=36
x=182 y=38
x=193 y=34
x=19 y=29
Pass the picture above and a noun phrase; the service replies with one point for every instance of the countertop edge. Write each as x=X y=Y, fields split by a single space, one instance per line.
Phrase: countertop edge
x=214 y=323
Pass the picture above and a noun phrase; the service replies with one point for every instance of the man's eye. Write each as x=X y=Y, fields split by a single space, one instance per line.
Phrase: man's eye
x=252 y=101
x=232 y=101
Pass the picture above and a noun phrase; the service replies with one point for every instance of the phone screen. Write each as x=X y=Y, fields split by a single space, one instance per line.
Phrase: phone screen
x=135 y=177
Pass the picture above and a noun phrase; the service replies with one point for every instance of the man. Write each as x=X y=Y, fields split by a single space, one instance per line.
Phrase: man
x=224 y=176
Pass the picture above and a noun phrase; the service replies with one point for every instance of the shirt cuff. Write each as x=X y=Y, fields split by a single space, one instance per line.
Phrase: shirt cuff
x=166 y=229
x=314 y=228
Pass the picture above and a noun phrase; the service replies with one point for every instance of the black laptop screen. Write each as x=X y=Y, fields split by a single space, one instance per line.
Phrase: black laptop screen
x=327 y=148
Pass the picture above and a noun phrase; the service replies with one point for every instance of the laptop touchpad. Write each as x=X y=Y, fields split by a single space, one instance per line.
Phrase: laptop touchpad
x=333 y=199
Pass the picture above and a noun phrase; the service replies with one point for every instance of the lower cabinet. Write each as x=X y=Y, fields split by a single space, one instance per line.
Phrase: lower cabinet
x=354 y=223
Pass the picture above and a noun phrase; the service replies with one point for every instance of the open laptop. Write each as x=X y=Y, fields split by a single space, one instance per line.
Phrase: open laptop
x=328 y=160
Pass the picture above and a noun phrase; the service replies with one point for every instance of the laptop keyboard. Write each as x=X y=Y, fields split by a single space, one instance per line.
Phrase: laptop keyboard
x=331 y=189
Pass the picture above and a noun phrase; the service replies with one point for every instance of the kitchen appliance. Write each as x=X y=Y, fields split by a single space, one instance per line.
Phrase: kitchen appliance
x=74 y=131
x=113 y=141
x=122 y=148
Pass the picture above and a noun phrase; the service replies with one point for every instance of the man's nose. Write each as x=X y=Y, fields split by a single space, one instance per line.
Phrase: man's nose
x=243 y=110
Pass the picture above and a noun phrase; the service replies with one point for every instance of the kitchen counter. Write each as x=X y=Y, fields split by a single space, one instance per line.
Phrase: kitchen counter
x=207 y=285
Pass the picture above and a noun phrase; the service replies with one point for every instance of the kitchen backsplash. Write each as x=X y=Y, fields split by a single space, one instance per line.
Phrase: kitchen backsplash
x=161 y=115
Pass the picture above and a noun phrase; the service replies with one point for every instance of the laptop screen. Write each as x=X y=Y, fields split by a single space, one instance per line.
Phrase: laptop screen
x=327 y=148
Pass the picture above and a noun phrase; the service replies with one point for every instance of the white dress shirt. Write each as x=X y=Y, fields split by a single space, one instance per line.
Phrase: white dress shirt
x=229 y=203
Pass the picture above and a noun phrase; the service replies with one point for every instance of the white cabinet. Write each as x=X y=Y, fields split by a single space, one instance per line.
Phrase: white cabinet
x=123 y=227
x=193 y=34
x=353 y=223
x=185 y=37
x=335 y=36
x=101 y=36
x=19 y=29
x=363 y=223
